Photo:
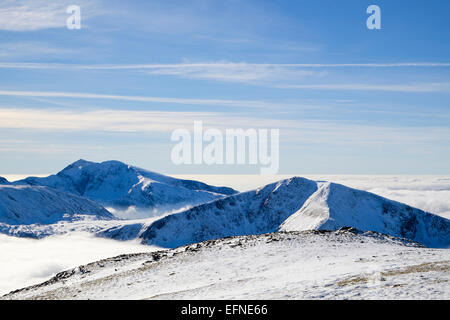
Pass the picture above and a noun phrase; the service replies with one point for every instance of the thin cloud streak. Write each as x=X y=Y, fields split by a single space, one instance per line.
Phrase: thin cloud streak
x=414 y=88
x=232 y=65
x=281 y=76
x=183 y=101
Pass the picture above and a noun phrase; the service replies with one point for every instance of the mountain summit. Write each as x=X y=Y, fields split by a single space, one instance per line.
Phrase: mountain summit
x=121 y=186
x=295 y=204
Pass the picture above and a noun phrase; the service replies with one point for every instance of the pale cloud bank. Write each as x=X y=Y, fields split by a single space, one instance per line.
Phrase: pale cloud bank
x=292 y=131
x=25 y=262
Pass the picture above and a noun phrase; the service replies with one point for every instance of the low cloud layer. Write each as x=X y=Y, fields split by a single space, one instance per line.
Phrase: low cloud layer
x=25 y=262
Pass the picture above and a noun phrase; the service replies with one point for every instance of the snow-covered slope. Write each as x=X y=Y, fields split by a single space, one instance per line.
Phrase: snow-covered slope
x=294 y=204
x=115 y=184
x=253 y=212
x=334 y=206
x=25 y=205
x=346 y=264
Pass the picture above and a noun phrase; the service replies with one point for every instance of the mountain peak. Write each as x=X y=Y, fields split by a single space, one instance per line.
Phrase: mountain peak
x=334 y=206
x=78 y=164
x=293 y=204
x=3 y=181
x=122 y=186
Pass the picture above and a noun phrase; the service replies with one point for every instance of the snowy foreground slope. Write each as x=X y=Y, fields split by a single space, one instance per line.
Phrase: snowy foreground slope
x=283 y=265
x=121 y=186
x=294 y=204
x=26 y=205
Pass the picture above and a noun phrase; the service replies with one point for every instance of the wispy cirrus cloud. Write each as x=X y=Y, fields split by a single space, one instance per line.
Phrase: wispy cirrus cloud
x=24 y=49
x=232 y=72
x=213 y=65
x=283 y=76
x=164 y=100
x=410 y=87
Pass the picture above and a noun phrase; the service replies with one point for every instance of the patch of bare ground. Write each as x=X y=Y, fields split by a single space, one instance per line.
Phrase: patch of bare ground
x=439 y=266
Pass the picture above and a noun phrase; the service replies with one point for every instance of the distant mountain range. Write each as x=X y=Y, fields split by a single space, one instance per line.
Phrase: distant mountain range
x=296 y=204
x=119 y=186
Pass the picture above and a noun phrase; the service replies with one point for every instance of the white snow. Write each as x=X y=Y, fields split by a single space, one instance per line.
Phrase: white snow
x=121 y=186
x=23 y=205
x=294 y=204
x=430 y=193
x=307 y=265
x=334 y=206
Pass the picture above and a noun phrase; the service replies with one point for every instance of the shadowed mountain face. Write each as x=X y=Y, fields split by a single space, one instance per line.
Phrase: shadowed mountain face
x=254 y=212
x=294 y=204
x=115 y=184
x=3 y=181
x=24 y=205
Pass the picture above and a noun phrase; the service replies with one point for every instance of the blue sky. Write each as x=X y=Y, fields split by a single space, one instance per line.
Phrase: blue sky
x=345 y=98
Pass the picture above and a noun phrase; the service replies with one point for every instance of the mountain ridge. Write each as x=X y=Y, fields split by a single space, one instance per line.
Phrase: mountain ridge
x=121 y=186
x=294 y=204
x=25 y=205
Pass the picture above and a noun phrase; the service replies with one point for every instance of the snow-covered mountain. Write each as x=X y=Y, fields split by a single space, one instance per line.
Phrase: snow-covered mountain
x=121 y=186
x=334 y=206
x=344 y=264
x=253 y=212
x=3 y=181
x=25 y=205
x=294 y=204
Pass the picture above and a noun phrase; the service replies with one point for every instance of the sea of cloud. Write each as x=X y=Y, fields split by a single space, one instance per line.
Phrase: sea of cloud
x=25 y=262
